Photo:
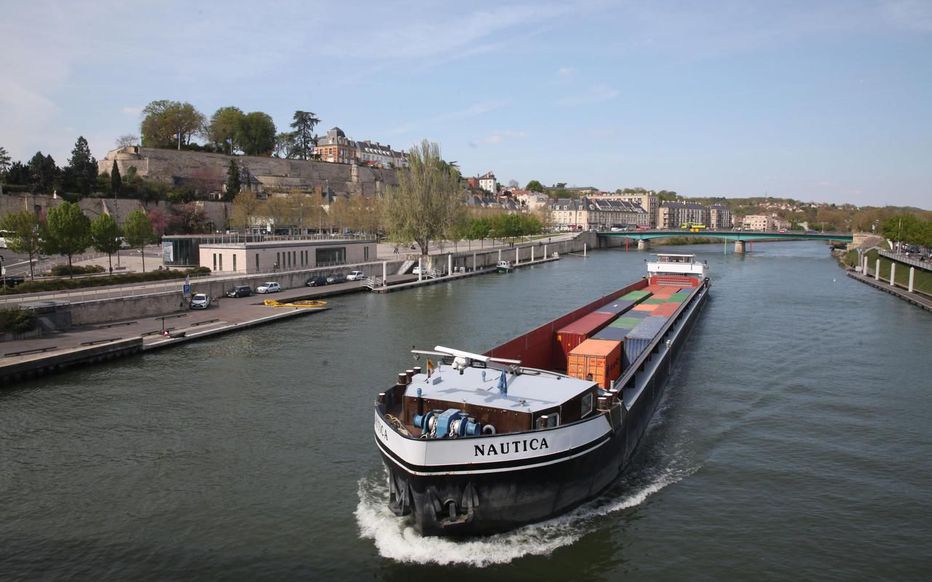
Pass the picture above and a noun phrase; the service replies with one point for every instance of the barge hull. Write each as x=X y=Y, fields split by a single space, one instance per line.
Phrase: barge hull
x=467 y=503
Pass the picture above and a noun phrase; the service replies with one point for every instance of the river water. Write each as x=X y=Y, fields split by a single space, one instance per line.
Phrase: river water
x=794 y=442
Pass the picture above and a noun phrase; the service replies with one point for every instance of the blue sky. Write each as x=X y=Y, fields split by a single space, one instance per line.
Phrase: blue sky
x=819 y=101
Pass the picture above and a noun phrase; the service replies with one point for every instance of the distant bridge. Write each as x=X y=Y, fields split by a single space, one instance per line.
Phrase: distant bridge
x=739 y=236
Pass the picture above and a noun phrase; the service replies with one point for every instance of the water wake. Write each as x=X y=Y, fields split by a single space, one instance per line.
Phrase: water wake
x=395 y=539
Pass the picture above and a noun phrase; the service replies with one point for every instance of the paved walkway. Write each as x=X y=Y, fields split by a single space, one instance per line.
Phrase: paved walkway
x=918 y=299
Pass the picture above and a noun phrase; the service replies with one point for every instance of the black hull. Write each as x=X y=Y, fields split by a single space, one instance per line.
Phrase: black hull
x=486 y=503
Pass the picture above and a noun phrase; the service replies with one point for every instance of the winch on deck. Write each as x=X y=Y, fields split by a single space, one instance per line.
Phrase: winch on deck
x=450 y=423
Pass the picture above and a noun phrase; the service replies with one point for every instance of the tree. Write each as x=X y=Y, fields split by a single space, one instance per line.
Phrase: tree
x=224 y=124
x=116 y=181
x=22 y=235
x=82 y=167
x=245 y=205
x=233 y=183
x=256 y=134
x=69 y=231
x=303 y=126
x=43 y=173
x=534 y=186
x=138 y=232
x=105 y=236
x=126 y=140
x=285 y=147
x=170 y=123
x=425 y=204
x=4 y=161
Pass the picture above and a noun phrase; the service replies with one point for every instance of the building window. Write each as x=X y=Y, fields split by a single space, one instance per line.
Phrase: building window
x=221 y=261
x=215 y=261
x=234 y=262
x=257 y=262
x=331 y=256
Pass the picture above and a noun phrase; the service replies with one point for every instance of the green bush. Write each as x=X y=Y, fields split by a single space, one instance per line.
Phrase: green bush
x=122 y=279
x=16 y=320
x=65 y=270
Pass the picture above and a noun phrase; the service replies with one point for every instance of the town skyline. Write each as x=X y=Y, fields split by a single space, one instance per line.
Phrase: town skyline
x=822 y=103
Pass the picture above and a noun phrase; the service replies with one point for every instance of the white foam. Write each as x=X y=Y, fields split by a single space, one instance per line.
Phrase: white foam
x=396 y=540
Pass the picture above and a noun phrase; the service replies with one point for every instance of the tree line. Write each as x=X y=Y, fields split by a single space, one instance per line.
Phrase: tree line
x=67 y=231
x=230 y=130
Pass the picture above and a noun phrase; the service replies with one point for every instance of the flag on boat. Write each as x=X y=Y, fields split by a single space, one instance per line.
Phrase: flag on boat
x=430 y=367
x=503 y=383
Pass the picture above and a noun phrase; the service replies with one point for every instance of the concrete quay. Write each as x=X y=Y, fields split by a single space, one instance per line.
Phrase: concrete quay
x=915 y=298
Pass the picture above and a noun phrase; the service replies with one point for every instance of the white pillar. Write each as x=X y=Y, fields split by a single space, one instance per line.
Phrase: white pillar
x=864 y=266
x=420 y=269
x=499 y=254
x=912 y=276
x=532 y=253
x=449 y=265
x=385 y=273
x=517 y=255
x=877 y=271
x=474 y=261
x=892 y=271
x=584 y=248
x=545 y=252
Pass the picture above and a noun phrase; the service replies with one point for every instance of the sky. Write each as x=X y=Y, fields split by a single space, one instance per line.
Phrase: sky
x=822 y=101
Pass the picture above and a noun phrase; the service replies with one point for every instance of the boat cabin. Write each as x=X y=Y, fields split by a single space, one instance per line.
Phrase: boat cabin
x=499 y=401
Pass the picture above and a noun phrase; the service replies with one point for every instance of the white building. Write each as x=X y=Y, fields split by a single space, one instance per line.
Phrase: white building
x=487 y=182
x=283 y=255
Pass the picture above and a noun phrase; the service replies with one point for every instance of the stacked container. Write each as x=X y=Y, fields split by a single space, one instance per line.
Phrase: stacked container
x=636 y=296
x=600 y=359
x=640 y=337
x=645 y=307
x=618 y=306
x=666 y=310
x=579 y=331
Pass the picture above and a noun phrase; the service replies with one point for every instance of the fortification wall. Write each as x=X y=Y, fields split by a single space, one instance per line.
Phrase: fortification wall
x=274 y=174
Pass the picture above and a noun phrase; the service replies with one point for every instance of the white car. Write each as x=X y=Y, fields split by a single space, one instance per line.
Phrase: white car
x=200 y=301
x=356 y=276
x=269 y=287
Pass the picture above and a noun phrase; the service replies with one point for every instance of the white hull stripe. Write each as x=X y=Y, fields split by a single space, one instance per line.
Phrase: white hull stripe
x=388 y=454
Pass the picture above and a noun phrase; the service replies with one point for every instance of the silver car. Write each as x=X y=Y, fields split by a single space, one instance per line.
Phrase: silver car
x=200 y=301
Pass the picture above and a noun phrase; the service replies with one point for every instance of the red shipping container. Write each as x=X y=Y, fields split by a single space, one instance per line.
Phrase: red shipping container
x=579 y=331
x=666 y=309
x=598 y=360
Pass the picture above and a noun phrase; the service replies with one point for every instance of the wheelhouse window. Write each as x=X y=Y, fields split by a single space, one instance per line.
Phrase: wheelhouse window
x=586 y=404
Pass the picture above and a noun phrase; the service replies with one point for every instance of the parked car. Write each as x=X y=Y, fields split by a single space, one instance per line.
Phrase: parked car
x=336 y=278
x=269 y=287
x=200 y=301
x=417 y=270
x=316 y=281
x=240 y=291
x=356 y=276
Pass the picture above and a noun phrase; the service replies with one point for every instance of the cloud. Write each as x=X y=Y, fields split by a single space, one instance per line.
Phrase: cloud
x=474 y=110
x=566 y=72
x=596 y=94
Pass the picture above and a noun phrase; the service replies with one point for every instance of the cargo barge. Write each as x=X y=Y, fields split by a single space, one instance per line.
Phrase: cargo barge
x=476 y=444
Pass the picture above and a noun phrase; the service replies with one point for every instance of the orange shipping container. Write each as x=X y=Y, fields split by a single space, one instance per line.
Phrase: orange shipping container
x=645 y=307
x=599 y=358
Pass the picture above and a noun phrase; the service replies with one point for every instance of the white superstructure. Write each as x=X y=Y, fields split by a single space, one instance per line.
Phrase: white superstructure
x=670 y=264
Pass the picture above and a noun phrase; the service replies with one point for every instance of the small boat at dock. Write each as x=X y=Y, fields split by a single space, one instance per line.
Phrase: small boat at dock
x=504 y=267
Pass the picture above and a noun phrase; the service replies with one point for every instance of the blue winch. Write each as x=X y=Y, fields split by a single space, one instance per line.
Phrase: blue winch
x=450 y=423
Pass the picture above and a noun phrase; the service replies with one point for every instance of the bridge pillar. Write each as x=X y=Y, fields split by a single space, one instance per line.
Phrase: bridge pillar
x=892 y=272
x=643 y=244
x=739 y=247
x=912 y=276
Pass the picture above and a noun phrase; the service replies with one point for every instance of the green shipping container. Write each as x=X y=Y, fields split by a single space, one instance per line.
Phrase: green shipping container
x=681 y=296
x=626 y=322
x=655 y=301
x=636 y=295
